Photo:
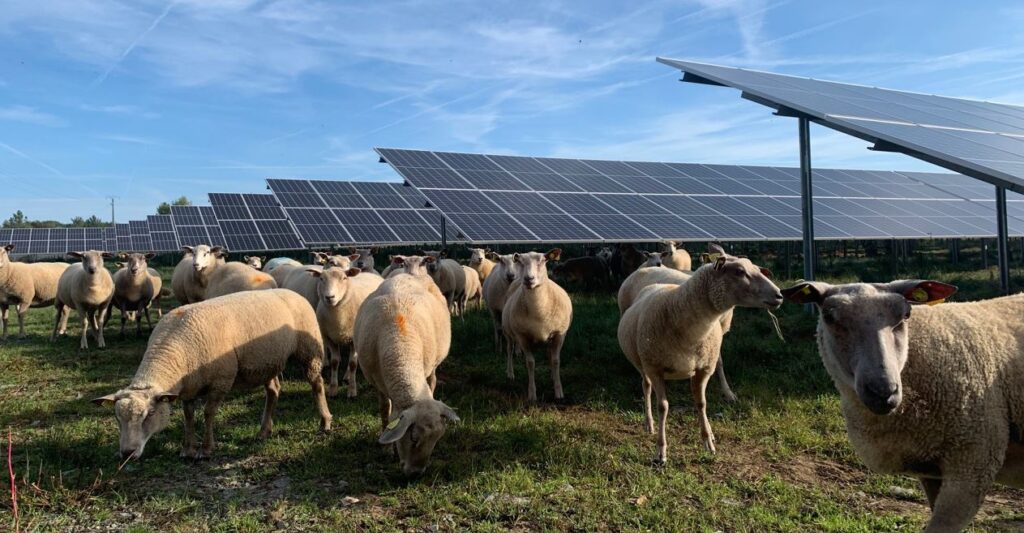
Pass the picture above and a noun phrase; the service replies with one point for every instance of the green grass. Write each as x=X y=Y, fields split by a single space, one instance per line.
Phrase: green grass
x=783 y=461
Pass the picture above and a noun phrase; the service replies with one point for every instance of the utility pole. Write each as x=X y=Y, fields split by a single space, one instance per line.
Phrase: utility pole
x=112 y=219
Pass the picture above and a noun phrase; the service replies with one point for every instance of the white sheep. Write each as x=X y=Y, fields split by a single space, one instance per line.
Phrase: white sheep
x=495 y=292
x=449 y=277
x=934 y=392
x=26 y=285
x=204 y=350
x=136 y=289
x=537 y=315
x=402 y=334
x=676 y=258
x=479 y=262
x=272 y=264
x=186 y=283
x=299 y=280
x=255 y=261
x=341 y=293
x=364 y=259
x=219 y=278
x=87 y=287
x=473 y=292
x=653 y=259
x=674 y=331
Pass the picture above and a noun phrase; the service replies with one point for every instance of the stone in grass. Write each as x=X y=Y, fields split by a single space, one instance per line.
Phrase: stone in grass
x=904 y=493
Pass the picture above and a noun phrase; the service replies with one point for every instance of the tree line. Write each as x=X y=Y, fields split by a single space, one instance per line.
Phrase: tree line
x=20 y=220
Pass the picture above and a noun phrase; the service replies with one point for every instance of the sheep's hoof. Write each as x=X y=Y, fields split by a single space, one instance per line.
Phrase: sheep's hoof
x=204 y=455
x=729 y=397
x=659 y=462
x=189 y=453
x=709 y=446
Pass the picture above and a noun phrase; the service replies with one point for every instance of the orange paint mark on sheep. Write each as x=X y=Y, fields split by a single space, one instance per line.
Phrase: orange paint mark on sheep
x=178 y=312
x=259 y=278
x=400 y=322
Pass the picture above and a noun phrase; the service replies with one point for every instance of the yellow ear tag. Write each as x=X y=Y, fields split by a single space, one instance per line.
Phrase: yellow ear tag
x=937 y=302
x=713 y=257
x=806 y=290
x=394 y=423
x=919 y=295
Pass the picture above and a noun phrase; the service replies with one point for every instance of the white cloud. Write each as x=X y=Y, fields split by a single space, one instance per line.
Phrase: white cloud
x=30 y=115
x=129 y=139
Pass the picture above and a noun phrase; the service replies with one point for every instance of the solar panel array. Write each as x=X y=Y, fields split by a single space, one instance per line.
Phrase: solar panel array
x=161 y=230
x=196 y=225
x=52 y=241
x=253 y=222
x=495 y=198
x=984 y=137
x=327 y=213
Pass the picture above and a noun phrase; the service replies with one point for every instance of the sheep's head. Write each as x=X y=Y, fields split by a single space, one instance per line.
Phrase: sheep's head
x=343 y=262
x=92 y=261
x=136 y=263
x=738 y=282
x=415 y=432
x=5 y=255
x=332 y=283
x=669 y=246
x=414 y=265
x=654 y=259
x=437 y=256
x=363 y=258
x=255 y=261
x=531 y=267
x=477 y=255
x=605 y=253
x=140 y=414
x=205 y=257
x=862 y=333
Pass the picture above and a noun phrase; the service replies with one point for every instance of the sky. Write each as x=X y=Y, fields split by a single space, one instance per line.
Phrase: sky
x=147 y=101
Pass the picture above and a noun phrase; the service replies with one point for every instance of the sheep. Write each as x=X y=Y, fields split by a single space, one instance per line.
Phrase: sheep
x=604 y=254
x=88 y=287
x=675 y=332
x=364 y=260
x=269 y=266
x=537 y=314
x=402 y=334
x=653 y=259
x=448 y=276
x=495 y=291
x=340 y=294
x=479 y=262
x=255 y=261
x=136 y=288
x=473 y=291
x=186 y=283
x=676 y=258
x=299 y=280
x=590 y=271
x=647 y=276
x=392 y=266
x=204 y=350
x=931 y=391
x=221 y=278
x=630 y=257
x=26 y=285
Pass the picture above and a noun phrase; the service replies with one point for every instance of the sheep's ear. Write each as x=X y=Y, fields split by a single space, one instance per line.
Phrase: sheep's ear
x=120 y=264
x=922 y=291
x=188 y=249
x=352 y=272
x=166 y=398
x=716 y=248
x=448 y=413
x=765 y=272
x=515 y=258
x=429 y=259
x=245 y=258
x=443 y=254
x=806 y=292
x=106 y=254
x=76 y=255
x=314 y=272
x=397 y=428
x=420 y=252
x=263 y=259
x=398 y=259
x=104 y=401
x=219 y=251
x=150 y=255
x=720 y=262
x=122 y=255
x=9 y=247
x=491 y=255
x=487 y=251
x=553 y=254
x=666 y=254
x=353 y=257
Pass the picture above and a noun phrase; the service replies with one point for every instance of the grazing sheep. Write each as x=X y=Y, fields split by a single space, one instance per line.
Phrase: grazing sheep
x=186 y=284
x=537 y=315
x=590 y=271
x=87 y=287
x=255 y=261
x=341 y=293
x=26 y=285
x=299 y=280
x=675 y=332
x=136 y=288
x=448 y=276
x=270 y=266
x=479 y=262
x=204 y=350
x=495 y=291
x=934 y=392
x=676 y=258
x=402 y=334
x=473 y=291
x=647 y=276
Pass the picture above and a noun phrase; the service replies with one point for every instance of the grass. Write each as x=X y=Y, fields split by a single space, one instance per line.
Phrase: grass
x=783 y=463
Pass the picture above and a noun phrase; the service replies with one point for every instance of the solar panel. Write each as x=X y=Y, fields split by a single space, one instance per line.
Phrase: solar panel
x=496 y=198
x=253 y=222
x=983 y=137
x=141 y=239
x=327 y=213
x=161 y=229
x=196 y=225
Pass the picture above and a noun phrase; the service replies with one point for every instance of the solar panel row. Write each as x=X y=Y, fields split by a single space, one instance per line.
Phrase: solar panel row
x=253 y=222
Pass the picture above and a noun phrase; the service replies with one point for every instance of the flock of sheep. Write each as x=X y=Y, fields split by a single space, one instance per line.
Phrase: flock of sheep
x=932 y=391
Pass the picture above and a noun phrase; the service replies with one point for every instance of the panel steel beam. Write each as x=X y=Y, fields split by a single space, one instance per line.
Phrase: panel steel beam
x=1004 y=241
x=806 y=197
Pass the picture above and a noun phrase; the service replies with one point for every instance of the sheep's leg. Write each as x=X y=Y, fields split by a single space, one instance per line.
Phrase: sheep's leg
x=83 y=344
x=149 y=323
x=510 y=349
x=334 y=363
x=931 y=490
x=64 y=320
x=209 y=417
x=22 y=311
x=316 y=384
x=658 y=383
x=555 y=360
x=124 y=317
x=273 y=393
x=384 y=406
x=350 y=372
x=139 y=310
x=3 y=316
x=97 y=319
x=188 y=448
x=648 y=415
x=698 y=386
x=957 y=502
x=531 y=387
x=60 y=310
x=726 y=390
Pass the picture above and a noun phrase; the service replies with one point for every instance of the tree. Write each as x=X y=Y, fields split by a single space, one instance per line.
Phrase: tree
x=165 y=208
x=17 y=220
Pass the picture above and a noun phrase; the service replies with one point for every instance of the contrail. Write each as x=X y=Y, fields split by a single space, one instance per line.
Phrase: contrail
x=23 y=155
x=156 y=22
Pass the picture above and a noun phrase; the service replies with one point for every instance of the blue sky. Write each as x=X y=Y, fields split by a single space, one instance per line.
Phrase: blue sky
x=150 y=100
